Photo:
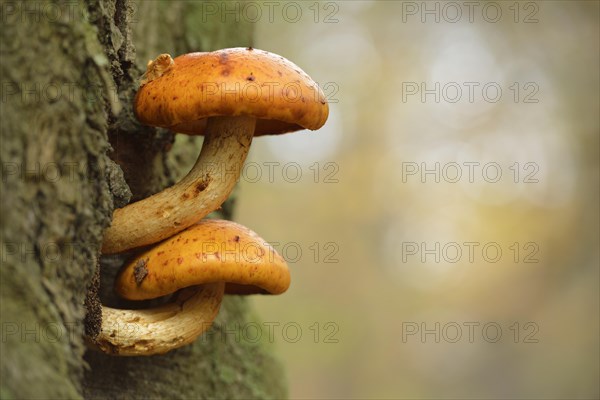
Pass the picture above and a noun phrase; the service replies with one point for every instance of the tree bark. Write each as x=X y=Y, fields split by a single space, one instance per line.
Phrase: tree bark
x=69 y=74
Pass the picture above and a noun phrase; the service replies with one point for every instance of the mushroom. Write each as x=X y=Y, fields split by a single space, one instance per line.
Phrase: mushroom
x=209 y=252
x=201 y=261
x=228 y=96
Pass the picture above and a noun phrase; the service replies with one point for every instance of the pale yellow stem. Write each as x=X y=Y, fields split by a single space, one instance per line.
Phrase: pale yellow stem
x=161 y=329
x=201 y=191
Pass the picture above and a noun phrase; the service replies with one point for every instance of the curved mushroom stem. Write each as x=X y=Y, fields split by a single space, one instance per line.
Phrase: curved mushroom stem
x=161 y=329
x=203 y=190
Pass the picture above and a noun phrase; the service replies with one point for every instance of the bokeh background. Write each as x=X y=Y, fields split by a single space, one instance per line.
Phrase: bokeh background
x=359 y=222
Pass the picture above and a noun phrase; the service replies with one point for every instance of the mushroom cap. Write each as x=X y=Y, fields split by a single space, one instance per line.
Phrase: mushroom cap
x=211 y=251
x=232 y=82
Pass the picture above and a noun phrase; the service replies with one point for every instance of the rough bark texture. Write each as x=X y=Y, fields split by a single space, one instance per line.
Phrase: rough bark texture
x=68 y=78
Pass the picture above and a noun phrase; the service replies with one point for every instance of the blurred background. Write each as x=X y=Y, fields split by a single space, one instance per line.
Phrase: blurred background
x=442 y=228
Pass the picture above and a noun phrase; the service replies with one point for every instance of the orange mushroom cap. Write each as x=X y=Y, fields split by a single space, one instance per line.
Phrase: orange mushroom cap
x=211 y=251
x=232 y=82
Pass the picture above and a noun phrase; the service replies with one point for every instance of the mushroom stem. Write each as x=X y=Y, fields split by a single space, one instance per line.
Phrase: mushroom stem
x=203 y=190
x=161 y=329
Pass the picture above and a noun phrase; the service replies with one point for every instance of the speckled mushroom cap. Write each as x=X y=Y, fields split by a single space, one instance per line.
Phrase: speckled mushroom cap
x=232 y=82
x=208 y=252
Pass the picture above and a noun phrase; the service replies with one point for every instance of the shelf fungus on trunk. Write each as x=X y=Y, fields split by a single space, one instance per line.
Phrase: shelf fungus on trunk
x=202 y=262
x=229 y=96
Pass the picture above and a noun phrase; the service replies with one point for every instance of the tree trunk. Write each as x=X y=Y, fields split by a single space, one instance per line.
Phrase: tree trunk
x=69 y=74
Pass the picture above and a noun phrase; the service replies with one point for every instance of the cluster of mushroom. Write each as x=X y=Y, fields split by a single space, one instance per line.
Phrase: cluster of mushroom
x=228 y=96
